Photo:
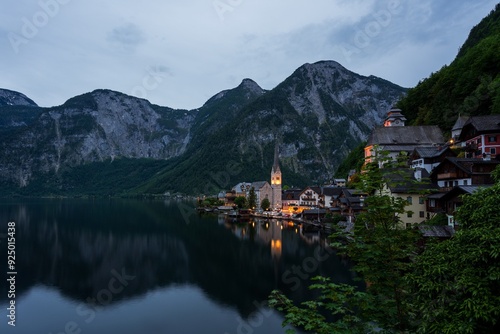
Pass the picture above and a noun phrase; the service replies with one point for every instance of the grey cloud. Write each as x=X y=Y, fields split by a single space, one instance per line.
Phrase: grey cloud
x=126 y=37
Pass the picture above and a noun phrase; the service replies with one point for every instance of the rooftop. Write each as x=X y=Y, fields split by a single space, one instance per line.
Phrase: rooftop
x=425 y=135
x=465 y=164
x=439 y=231
x=430 y=151
x=484 y=123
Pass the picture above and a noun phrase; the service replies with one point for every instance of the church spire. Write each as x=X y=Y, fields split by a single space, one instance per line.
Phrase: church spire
x=276 y=179
x=276 y=165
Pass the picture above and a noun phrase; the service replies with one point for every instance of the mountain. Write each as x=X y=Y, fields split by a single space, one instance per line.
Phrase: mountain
x=106 y=142
x=470 y=85
x=16 y=111
x=11 y=98
x=93 y=127
x=317 y=114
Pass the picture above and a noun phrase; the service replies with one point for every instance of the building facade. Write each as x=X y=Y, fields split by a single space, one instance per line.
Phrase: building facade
x=396 y=139
x=481 y=135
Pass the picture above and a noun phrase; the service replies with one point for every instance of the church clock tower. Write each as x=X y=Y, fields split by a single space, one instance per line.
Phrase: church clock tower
x=276 y=181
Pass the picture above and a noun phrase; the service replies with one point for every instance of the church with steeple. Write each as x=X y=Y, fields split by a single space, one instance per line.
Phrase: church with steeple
x=276 y=180
x=263 y=189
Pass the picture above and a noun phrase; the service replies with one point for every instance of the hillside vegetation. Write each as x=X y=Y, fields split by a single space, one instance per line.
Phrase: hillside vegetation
x=470 y=85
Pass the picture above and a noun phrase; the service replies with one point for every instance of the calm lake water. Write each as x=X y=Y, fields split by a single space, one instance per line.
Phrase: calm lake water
x=151 y=267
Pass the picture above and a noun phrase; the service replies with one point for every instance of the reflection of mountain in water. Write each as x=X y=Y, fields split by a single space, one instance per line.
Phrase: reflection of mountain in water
x=74 y=246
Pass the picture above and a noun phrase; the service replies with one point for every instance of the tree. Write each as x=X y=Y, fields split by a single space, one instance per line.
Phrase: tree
x=382 y=251
x=456 y=283
x=252 y=198
x=240 y=201
x=342 y=301
x=265 y=204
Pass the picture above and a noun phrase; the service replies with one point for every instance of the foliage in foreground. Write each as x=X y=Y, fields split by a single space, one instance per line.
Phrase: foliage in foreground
x=338 y=300
x=456 y=283
x=453 y=286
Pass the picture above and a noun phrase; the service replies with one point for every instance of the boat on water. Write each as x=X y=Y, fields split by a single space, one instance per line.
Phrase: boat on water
x=242 y=213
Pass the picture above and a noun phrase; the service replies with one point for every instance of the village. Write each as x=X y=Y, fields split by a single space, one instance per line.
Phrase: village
x=438 y=171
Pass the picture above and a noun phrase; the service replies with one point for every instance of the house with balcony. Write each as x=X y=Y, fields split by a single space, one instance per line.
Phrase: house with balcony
x=448 y=202
x=310 y=196
x=481 y=135
x=291 y=197
x=241 y=189
x=349 y=203
x=463 y=172
x=429 y=157
x=329 y=195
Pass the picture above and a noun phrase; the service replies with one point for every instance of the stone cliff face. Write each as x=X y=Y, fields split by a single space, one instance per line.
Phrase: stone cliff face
x=98 y=126
x=318 y=114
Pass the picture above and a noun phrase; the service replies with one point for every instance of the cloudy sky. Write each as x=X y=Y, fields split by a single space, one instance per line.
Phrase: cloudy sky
x=180 y=53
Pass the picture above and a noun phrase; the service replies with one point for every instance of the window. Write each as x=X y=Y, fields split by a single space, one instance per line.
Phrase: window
x=409 y=214
x=408 y=225
x=422 y=214
x=432 y=203
x=493 y=150
x=466 y=182
x=409 y=199
x=478 y=141
x=492 y=139
x=421 y=200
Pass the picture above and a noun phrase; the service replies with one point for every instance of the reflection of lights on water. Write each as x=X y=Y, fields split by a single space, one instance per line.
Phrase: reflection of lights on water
x=276 y=244
x=296 y=230
x=281 y=226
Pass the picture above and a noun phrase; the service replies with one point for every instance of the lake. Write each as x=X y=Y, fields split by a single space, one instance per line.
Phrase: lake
x=149 y=267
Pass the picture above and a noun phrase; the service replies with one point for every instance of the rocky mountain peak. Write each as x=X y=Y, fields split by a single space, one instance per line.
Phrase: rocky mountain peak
x=11 y=98
x=251 y=86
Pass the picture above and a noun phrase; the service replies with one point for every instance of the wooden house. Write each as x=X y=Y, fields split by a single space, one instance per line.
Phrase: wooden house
x=463 y=172
x=429 y=157
x=481 y=135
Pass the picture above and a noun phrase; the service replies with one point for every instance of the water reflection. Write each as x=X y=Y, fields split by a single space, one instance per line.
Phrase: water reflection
x=80 y=246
